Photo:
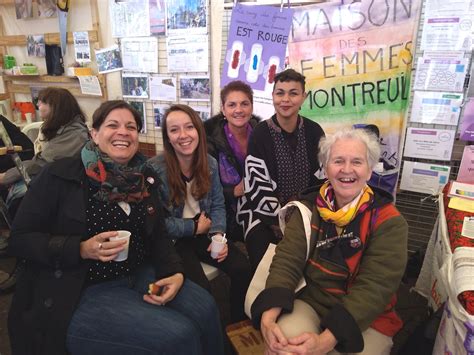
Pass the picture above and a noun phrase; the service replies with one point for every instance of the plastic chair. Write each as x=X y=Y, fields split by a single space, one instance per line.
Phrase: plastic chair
x=32 y=130
x=210 y=271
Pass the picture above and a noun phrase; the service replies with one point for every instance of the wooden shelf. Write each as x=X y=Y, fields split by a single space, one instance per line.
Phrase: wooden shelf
x=49 y=38
x=21 y=84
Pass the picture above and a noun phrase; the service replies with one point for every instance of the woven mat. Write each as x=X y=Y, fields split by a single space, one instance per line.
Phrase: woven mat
x=245 y=339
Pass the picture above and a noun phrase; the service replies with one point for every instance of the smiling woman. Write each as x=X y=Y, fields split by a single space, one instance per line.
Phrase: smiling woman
x=66 y=231
x=194 y=202
x=356 y=261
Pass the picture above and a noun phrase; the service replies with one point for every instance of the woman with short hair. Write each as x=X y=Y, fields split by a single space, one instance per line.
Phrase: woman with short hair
x=228 y=134
x=356 y=261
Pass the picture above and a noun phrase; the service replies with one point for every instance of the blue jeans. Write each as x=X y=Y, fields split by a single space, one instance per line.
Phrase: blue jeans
x=112 y=318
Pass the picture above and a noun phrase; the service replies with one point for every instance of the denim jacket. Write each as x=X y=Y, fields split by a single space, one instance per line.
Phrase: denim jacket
x=212 y=203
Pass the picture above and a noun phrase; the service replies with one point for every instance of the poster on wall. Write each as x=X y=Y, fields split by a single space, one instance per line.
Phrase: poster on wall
x=195 y=88
x=357 y=59
x=436 y=107
x=446 y=8
x=447 y=33
x=466 y=168
x=135 y=85
x=425 y=143
x=424 y=178
x=444 y=74
x=90 y=85
x=140 y=107
x=466 y=128
x=186 y=17
x=258 y=36
x=157 y=12
x=140 y=54
x=188 y=53
x=129 y=18
x=162 y=88
x=82 y=51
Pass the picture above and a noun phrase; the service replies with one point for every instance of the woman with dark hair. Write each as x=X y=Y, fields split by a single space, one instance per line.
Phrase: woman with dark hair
x=192 y=194
x=228 y=134
x=62 y=134
x=72 y=296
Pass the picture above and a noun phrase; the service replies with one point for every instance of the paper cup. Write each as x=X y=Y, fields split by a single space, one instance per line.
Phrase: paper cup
x=123 y=255
x=217 y=244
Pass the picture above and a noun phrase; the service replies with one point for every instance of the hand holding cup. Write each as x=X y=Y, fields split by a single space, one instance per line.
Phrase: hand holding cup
x=218 y=247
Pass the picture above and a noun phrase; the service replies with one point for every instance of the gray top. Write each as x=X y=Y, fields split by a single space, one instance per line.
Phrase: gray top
x=68 y=141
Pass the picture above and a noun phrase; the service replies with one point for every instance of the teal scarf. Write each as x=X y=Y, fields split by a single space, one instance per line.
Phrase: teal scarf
x=115 y=182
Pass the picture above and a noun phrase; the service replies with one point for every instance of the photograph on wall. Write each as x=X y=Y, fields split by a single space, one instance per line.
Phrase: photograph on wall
x=82 y=51
x=157 y=17
x=35 y=46
x=23 y=9
x=130 y=18
x=140 y=54
x=186 y=17
x=134 y=85
x=140 y=107
x=196 y=88
x=108 y=59
x=158 y=114
x=162 y=88
x=204 y=112
x=47 y=8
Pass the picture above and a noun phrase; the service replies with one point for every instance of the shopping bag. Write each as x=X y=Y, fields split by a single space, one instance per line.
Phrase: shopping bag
x=259 y=279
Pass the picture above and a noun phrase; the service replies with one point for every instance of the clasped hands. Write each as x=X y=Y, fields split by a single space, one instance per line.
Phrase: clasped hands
x=306 y=343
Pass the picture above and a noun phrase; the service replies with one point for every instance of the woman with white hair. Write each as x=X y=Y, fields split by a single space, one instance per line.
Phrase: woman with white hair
x=356 y=261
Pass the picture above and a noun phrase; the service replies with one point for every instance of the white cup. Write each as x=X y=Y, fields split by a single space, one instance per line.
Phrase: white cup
x=28 y=116
x=123 y=255
x=217 y=244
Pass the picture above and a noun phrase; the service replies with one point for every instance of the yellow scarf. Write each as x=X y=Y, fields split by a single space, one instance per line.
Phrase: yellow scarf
x=326 y=205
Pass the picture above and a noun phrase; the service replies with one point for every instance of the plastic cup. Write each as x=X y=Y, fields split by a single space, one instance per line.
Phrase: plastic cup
x=123 y=255
x=217 y=244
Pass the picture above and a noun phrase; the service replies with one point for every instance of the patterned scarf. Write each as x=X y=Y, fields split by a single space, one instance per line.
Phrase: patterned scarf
x=325 y=203
x=115 y=182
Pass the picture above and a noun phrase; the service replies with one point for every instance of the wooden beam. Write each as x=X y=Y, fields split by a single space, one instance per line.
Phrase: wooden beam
x=49 y=38
x=7 y=2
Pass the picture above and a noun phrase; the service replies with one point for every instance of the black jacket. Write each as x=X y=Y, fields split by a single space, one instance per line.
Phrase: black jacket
x=217 y=143
x=46 y=233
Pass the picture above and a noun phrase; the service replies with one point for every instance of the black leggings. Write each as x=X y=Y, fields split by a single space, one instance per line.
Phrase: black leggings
x=257 y=242
x=235 y=265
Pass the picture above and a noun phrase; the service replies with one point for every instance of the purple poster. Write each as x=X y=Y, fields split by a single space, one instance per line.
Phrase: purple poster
x=258 y=36
x=466 y=129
